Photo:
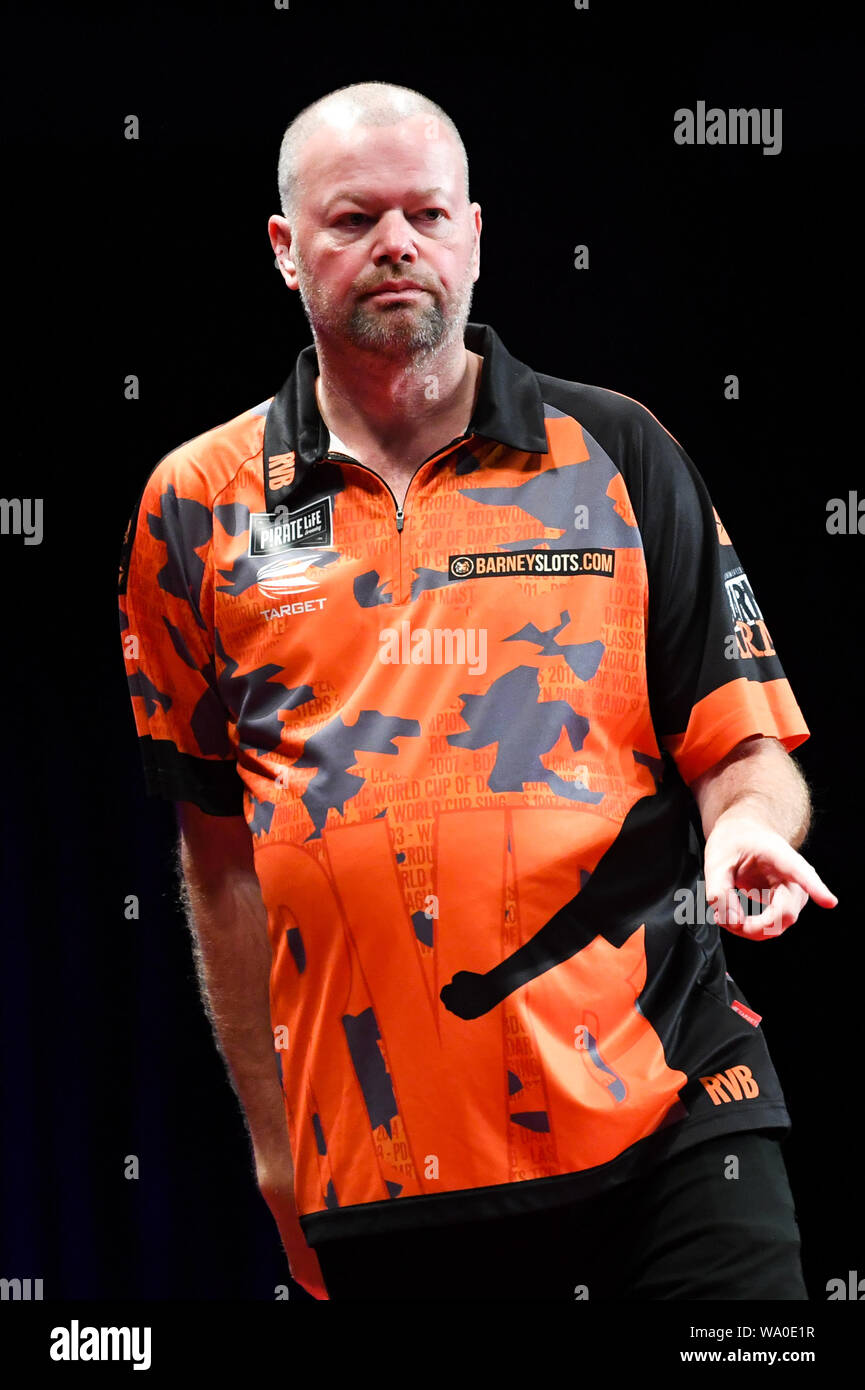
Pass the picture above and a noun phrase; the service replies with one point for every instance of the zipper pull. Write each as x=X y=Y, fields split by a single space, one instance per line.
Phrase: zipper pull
x=399 y=518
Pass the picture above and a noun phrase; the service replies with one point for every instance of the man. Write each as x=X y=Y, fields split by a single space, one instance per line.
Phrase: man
x=450 y=668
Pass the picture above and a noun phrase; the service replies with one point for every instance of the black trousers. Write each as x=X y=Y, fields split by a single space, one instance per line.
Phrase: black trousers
x=685 y=1230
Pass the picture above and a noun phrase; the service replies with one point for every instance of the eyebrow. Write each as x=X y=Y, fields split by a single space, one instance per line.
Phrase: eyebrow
x=345 y=193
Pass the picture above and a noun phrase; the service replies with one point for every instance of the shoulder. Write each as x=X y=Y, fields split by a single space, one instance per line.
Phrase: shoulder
x=202 y=467
x=658 y=473
x=657 y=469
x=610 y=417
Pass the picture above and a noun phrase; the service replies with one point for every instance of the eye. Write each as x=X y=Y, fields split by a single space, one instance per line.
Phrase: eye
x=346 y=219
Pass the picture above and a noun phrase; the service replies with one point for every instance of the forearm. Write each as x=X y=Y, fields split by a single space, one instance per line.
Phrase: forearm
x=228 y=924
x=757 y=778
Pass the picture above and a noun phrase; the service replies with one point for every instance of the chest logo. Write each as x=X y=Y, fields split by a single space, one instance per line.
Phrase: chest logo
x=540 y=563
x=273 y=533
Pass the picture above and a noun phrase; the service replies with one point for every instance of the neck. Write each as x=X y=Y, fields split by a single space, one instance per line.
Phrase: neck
x=374 y=401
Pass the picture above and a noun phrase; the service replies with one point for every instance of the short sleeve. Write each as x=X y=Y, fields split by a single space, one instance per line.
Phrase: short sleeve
x=165 y=598
x=714 y=674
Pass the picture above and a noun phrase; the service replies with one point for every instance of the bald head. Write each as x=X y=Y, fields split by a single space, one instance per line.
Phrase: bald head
x=361 y=104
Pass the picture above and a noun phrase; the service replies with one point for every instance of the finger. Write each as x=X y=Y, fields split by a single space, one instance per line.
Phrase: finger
x=792 y=866
x=814 y=886
x=726 y=905
x=748 y=933
x=782 y=909
x=766 y=933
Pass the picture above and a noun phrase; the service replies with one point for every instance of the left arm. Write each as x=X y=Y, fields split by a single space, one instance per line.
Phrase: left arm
x=756 y=811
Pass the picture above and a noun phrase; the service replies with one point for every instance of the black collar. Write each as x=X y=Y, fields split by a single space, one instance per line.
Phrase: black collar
x=508 y=409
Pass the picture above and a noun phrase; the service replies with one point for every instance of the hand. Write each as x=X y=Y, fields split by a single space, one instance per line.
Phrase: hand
x=276 y=1185
x=742 y=852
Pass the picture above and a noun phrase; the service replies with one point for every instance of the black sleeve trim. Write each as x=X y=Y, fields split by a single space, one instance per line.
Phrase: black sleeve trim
x=214 y=787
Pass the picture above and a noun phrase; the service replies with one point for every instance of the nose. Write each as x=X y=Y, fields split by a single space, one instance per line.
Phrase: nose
x=394 y=238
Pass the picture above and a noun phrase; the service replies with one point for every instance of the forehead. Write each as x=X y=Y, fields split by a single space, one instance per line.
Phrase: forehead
x=342 y=156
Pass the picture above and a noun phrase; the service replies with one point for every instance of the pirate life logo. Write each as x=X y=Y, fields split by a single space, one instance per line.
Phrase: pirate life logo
x=750 y=636
x=290 y=542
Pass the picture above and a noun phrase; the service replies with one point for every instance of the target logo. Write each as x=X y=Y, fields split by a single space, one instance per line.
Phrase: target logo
x=287 y=574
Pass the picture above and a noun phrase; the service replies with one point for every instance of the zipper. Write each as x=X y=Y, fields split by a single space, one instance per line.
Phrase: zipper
x=347 y=458
x=400 y=511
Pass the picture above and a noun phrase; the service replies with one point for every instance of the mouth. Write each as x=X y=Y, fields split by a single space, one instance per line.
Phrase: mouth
x=388 y=292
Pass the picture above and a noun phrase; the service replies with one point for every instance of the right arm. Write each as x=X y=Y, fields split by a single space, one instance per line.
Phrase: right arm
x=228 y=923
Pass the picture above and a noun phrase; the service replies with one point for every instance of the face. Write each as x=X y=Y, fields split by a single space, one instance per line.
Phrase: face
x=382 y=204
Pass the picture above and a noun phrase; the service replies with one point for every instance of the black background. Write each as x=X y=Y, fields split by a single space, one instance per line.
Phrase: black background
x=151 y=257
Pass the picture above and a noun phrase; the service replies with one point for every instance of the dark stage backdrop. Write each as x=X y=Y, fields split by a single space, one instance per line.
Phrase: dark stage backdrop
x=150 y=258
